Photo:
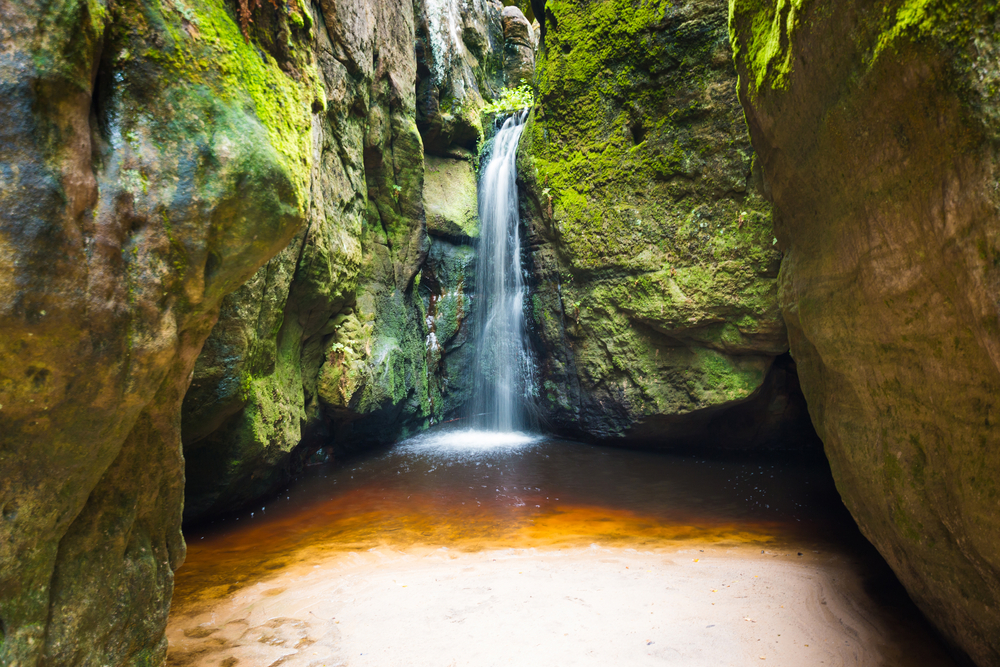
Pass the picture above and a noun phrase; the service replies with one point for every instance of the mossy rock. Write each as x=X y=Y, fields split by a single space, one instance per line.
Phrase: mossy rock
x=450 y=198
x=154 y=159
x=654 y=257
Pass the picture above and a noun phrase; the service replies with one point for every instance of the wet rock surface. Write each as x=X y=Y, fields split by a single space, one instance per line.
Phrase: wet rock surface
x=459 y=47
x=876 y=128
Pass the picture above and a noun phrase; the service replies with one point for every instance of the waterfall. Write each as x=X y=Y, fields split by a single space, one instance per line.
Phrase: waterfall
x=503 y=371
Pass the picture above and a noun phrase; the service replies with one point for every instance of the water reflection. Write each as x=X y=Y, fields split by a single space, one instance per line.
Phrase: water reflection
x=473 y=490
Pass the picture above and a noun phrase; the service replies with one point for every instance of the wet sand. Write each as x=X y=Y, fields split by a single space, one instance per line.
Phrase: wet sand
x=442 y=558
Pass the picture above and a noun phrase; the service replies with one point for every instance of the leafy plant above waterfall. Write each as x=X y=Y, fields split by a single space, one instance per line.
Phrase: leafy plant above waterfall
x=511 y=99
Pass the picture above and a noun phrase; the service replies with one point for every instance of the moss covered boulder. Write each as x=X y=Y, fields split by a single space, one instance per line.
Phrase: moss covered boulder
x=253 y=398
x=655 y=305
x=451 y=198
x=878 y=129
x=151 y=160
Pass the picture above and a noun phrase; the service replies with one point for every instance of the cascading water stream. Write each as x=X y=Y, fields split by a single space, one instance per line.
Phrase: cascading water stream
x=503 y=370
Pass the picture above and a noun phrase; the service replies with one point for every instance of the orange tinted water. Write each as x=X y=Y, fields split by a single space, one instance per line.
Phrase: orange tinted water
x=546 y=493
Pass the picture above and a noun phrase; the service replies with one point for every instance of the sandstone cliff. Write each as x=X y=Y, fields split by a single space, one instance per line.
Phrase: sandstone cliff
x=878 y=129
x=354 y=334
x=151 y=161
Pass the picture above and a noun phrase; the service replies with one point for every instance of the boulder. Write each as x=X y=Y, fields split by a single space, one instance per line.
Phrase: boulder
x=519 y=48
x=451 y=199
x=877 y=126
x=337 y=342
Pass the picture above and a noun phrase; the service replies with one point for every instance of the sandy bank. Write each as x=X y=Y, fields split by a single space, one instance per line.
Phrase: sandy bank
x=721 y=606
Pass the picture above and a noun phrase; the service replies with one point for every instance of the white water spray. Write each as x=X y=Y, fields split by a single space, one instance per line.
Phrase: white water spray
x=503 y=376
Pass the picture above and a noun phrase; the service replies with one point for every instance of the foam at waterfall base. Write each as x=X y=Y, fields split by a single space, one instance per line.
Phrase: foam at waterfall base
x=452 y=442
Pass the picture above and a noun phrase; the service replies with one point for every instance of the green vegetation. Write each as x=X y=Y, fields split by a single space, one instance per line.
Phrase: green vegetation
x=510 y=100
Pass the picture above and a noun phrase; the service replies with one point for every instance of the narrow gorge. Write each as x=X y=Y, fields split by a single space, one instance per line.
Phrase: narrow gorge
x=382 y=332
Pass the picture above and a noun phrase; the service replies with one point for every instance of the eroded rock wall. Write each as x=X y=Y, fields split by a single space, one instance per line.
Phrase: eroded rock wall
x=460 y=66
x=347 y=337
x=254 y=397
x=655 y=305
x=151 y=160
x=877 y=125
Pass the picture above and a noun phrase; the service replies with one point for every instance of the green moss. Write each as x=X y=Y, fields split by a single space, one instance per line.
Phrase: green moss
x=622 y=162
x=916 y=19
x=449 y=195
x=638 y=160
x=382 y=363
x=766 y=48
x=215 y=58
x=727 y=376
x=768 y=57
x=82 y=26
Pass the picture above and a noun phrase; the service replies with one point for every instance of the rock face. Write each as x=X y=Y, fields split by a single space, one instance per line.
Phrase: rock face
x=655 y=304
x=519 y=48
x=877 y=128
x=345 y=338
x=460 y=64
x=151 y=160
x=254 y=396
